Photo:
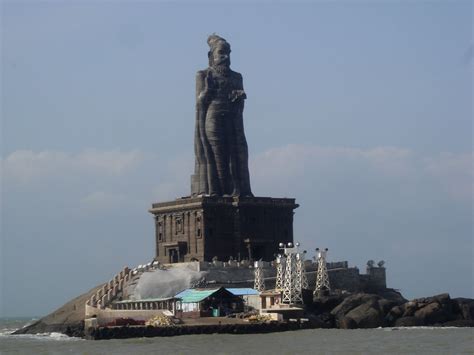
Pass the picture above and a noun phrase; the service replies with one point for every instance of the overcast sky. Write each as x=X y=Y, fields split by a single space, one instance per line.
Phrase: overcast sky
x=362 y=111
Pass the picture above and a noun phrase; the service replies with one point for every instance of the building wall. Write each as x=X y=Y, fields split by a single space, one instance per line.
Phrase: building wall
x=205 y=228
x=345 y=278
x=376 y=278
x=253 y=301
x=242 y=274
x=184 y=228
x=105 y=316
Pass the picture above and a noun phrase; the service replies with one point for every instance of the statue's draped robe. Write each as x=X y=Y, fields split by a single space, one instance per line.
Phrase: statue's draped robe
x=221 y=166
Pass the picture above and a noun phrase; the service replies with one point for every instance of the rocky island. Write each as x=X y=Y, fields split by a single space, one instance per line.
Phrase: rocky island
x=226 y=260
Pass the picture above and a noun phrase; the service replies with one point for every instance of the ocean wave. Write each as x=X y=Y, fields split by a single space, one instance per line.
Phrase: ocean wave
x=421 y=328
x=40 y=336
x=7 y=331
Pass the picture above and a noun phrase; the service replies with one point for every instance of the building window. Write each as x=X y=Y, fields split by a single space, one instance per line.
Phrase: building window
x=198 y=227
x=160 y=231
x=179 y=225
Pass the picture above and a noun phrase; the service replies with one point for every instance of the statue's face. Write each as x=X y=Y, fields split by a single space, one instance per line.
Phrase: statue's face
x=221 y=55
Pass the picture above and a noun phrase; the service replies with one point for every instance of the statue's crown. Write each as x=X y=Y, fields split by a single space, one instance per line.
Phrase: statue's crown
x=213 y=40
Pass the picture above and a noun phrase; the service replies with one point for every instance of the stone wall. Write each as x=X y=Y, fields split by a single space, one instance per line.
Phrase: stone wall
x=345 y=279
x=234 y=274
x=376 y=278
x=105 y=316
x=205 y=228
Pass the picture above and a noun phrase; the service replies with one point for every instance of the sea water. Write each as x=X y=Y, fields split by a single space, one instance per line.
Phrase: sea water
x=415 y=340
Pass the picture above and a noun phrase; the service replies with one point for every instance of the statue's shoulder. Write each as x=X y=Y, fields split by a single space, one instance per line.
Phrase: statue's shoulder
x=202 y=73
x=236 y=74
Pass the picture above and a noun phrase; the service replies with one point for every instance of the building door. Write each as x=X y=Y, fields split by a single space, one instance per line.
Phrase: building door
x=173 y=255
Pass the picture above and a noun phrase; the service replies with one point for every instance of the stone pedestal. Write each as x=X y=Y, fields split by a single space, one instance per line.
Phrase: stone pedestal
x=202 y=228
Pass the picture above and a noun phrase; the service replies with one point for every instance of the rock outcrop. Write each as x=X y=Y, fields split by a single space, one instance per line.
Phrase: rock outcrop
x=387 y=308
x=390 y=309
x=68 y=319
x=362 y=310
x=439 y=310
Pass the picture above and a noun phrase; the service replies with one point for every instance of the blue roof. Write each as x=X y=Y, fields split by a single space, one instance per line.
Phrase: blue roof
x=193 y=295
x=183 y=293
x=243 y=291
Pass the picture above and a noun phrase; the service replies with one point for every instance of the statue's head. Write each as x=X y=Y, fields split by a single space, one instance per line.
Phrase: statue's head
x=219 y=53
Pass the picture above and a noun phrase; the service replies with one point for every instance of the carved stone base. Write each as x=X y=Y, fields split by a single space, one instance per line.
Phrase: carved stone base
x=205 y=227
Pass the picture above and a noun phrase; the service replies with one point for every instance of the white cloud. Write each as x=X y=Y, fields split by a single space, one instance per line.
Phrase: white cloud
x=26 y=165
x=454 y=171
x=295 y=159
x=101 y=200
x=175 y=179
x=299 y=164
x=97 y=180
x=166 y=191
x=111 y=162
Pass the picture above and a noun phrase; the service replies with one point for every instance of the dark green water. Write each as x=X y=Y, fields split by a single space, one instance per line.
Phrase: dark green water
x=320 y=341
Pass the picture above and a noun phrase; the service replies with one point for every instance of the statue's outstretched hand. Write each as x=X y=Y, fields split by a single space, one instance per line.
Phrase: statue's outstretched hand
x=237 y=95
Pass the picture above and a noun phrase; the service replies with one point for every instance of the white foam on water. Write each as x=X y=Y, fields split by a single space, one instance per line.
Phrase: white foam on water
x=10 y=326
x=7 y=331
x=53 y=336
x=420 y=328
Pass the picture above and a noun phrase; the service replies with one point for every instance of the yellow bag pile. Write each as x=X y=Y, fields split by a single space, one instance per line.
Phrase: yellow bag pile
x=260 y=318
x=159 y=321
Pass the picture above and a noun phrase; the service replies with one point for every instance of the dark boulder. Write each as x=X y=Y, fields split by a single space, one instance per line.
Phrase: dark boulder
x=464 y=308
x=327 y=303
x=390 y=308
x=347 y=323
x=395 y=313
x=433 y=313
x=323 y=320
x=386 y=305
x=436 y=310
x=360 y=311
x=392 y=295
x=352 y=302
x=410 y=308
x=367 y=315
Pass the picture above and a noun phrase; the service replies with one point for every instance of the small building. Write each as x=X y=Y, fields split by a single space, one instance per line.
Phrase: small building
x=168 y=303
x=271 y=304
x=195 y=303
x=250 y=296
x=270 y=299
x=131 y=311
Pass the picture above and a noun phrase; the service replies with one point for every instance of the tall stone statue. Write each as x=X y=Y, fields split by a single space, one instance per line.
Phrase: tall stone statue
x=221 y=167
